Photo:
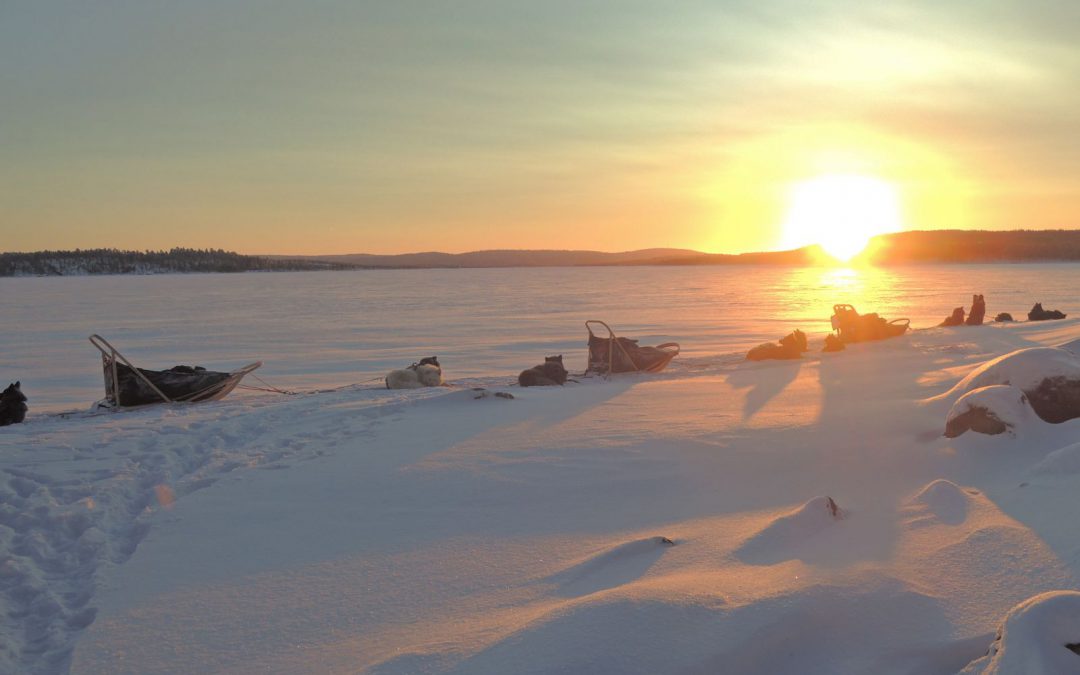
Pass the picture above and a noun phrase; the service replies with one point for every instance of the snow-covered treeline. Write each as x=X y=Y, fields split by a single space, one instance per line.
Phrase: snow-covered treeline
x=114 y=261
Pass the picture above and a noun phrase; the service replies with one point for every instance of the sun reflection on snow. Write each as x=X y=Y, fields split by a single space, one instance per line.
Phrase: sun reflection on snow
x=839 y=277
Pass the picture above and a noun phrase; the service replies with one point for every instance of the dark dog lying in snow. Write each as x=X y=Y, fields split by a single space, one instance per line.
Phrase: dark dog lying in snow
x=549 y=373
x=12 y=405
x=1037 y=313
x=791 y=346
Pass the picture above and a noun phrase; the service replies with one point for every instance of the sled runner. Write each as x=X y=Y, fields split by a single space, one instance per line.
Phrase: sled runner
x=127 y=385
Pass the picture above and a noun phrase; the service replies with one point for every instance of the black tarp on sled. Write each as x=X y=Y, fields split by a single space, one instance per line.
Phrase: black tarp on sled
x=127 y=385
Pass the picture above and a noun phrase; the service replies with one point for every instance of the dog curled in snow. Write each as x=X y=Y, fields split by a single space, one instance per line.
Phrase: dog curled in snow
x=12 y=405
x=833 y=344
x=426 y=373
x=548 y=374
x=791 y=346
x=1037 y=313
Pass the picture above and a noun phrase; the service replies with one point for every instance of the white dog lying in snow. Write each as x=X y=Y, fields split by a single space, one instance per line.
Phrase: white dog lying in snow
x=426 y=373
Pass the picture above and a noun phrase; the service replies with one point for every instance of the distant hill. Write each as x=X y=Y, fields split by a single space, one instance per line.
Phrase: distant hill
x=507 y=258
x=809 y=255
x=925 y=246
x=975 y=246
x=541 y=258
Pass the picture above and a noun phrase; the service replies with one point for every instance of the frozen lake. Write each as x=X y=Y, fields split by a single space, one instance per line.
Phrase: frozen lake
x=323 y=329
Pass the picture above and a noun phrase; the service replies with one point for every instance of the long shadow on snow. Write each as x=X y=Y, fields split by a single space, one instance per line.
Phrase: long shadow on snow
x=765 y=382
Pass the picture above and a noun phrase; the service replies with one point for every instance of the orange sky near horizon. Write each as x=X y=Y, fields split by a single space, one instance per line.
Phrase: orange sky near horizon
x=336 y=127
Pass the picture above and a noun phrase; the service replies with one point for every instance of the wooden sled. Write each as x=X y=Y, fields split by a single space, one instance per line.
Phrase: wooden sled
x=613 y=354
x=127 y=386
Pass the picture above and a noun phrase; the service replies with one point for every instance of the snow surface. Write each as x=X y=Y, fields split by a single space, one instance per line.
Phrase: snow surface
x=441 y=530
x=1063 y=460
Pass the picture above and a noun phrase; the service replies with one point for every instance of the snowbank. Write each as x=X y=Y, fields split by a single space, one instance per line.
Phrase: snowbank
x=1049 y=377
x=1023 y=368
x=1040 y=636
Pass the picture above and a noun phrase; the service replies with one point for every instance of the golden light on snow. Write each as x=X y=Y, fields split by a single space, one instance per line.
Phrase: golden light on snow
x=841 y=213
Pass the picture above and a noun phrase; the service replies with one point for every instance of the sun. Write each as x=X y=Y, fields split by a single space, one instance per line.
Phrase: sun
x=841 y=213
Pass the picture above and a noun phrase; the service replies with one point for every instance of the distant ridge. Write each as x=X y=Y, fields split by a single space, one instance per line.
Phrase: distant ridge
x=556 y=258
x=913 y=247
x=506 y=258
x=975 y=246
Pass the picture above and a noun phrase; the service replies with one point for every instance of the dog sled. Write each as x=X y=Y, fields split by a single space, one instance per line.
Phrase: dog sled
x=612 y=354
x=127 y=385
x=850 y=326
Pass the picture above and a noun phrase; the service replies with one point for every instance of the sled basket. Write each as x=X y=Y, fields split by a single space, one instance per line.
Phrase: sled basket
x=612 y=354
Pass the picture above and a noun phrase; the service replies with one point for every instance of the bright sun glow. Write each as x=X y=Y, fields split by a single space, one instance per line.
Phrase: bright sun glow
x=841 y=213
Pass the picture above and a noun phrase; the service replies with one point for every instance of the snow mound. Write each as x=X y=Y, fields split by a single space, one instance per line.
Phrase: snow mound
x=944 y=500
x=1023 y=368
x=1040 y=636
x=1063 y=461
x=793 y=529
x=1050 y=376
x=617 y=566
x=989 y=410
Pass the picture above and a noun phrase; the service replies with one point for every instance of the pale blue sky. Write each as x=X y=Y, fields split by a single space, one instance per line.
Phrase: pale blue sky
x=335 y=126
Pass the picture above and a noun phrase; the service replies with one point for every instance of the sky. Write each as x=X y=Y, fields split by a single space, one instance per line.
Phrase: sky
x=338 y=126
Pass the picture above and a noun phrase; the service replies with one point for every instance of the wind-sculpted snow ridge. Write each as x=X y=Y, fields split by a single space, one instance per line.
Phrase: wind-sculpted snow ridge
x=108 y=478
x=614 y=567
x=788 y=534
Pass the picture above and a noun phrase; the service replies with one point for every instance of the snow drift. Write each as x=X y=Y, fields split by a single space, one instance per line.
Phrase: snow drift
x=1040 y=636
x=1049 y=376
